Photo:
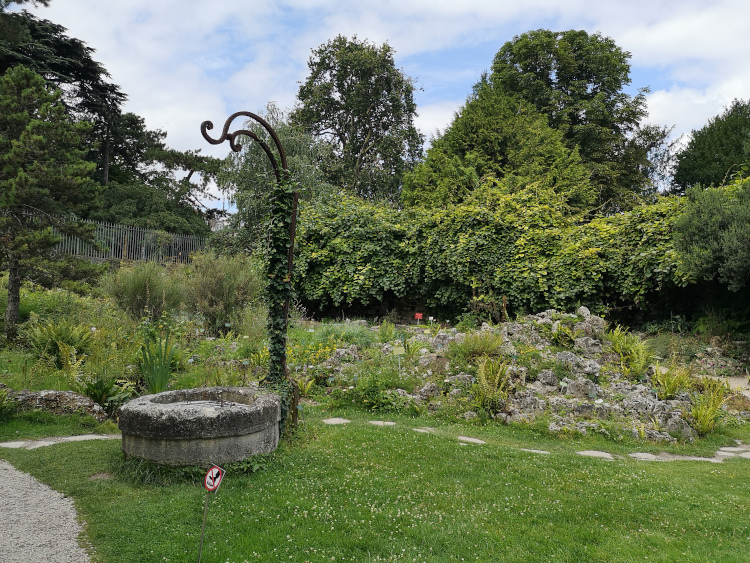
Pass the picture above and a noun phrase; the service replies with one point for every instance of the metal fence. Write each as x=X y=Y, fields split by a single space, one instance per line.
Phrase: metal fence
x=123 y=242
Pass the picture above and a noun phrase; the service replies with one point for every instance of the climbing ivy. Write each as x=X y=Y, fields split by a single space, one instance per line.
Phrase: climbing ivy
x=279 y=291
x=520 y=245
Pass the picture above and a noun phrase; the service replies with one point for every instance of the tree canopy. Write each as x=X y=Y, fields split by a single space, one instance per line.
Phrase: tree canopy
x=503 y=139
x=717 y=150
x=362 y=105
x=44 y=178
x=713 y=234
x=577 y=80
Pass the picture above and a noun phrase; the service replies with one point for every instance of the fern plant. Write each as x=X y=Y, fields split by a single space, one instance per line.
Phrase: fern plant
x=635 y=355
x=492 y=386
x=670 y=381
x=706 y=408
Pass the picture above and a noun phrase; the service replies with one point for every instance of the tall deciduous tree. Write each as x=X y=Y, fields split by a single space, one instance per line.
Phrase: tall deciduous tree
x=717 y=150
x=43 y=178
x=358 y=101
x=577 y=80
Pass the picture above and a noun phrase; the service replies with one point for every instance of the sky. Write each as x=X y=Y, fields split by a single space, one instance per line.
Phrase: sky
x=182 y=62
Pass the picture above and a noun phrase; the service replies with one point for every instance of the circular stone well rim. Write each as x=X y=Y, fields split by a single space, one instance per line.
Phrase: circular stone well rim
x=245 y=410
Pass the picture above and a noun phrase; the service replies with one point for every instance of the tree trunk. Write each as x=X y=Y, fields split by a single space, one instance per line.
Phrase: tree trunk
x=105 y=163
x=14 y=299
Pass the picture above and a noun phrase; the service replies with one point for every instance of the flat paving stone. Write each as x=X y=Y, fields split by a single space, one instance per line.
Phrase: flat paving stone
x=334 y=421
x=34 y=444
x=725 y=454
x=535 y=451
x=594 y=453
x=736 y=450
x=643 y=456
x=422 y=430
x=471 y=440
x=382 y=423
x=14 y=445
x=746 y=455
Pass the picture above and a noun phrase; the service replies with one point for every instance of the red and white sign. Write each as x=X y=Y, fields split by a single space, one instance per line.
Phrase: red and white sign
x=418 y=316
x=213 y=478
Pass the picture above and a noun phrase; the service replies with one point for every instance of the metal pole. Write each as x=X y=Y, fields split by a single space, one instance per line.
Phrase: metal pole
x=203 y=529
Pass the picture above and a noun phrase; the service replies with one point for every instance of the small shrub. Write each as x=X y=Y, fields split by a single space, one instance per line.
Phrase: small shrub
x=375 y=389
x=105 y=391
x=475 y=345
x=7 y=405
x=157 y=355
x=467 y=321
x=351 y=333
x=45 y=339
x=144 y=289
x=218 y=286
x=387 y=331
x=706 y=407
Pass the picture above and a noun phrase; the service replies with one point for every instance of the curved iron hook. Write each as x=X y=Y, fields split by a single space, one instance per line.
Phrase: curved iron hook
x=236 y=147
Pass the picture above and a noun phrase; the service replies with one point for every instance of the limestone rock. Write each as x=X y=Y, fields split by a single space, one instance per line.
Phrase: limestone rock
x=58 y=402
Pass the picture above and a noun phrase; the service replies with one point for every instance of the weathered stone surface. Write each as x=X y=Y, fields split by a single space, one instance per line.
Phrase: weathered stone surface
x=581 y=387
x=57 y=402
x=588 y=345
x=429 y=390
x=201 y=426
x=578 y=365
x=335 y=421
x=594 y=453
x=441 y=339
x=547 y=377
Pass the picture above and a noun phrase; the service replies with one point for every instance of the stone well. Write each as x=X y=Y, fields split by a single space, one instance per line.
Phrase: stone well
x=211 y=425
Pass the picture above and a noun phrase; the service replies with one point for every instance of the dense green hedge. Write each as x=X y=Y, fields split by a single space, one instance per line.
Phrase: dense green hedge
x=519 y=245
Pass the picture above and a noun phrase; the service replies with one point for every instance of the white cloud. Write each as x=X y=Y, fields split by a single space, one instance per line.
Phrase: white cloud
x=185 y=61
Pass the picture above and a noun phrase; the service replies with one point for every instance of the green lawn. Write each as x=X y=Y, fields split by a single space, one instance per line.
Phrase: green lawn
x=364 y=493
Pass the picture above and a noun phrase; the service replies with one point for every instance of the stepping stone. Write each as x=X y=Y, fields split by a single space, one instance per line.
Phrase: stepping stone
x=382 y=423
x=721 y=453
x=535 y=451
x=746 y=455
x=14 y=445
x=643 y=456
x=594 y=453
x=471 y=440
x=336 y=421
x=85 y=437
x=732 y=450
x=34 y=444
x=422 y=430
x=40 y=444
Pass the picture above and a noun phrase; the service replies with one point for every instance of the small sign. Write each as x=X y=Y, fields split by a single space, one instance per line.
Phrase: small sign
x=418 y=316
x=399 y=351
x=213 y=478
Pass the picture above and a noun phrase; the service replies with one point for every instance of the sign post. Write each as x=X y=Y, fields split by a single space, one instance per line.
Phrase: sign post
x=211 y=482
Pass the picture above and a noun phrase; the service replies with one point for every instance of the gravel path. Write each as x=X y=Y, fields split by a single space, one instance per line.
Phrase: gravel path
x=38 y=523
